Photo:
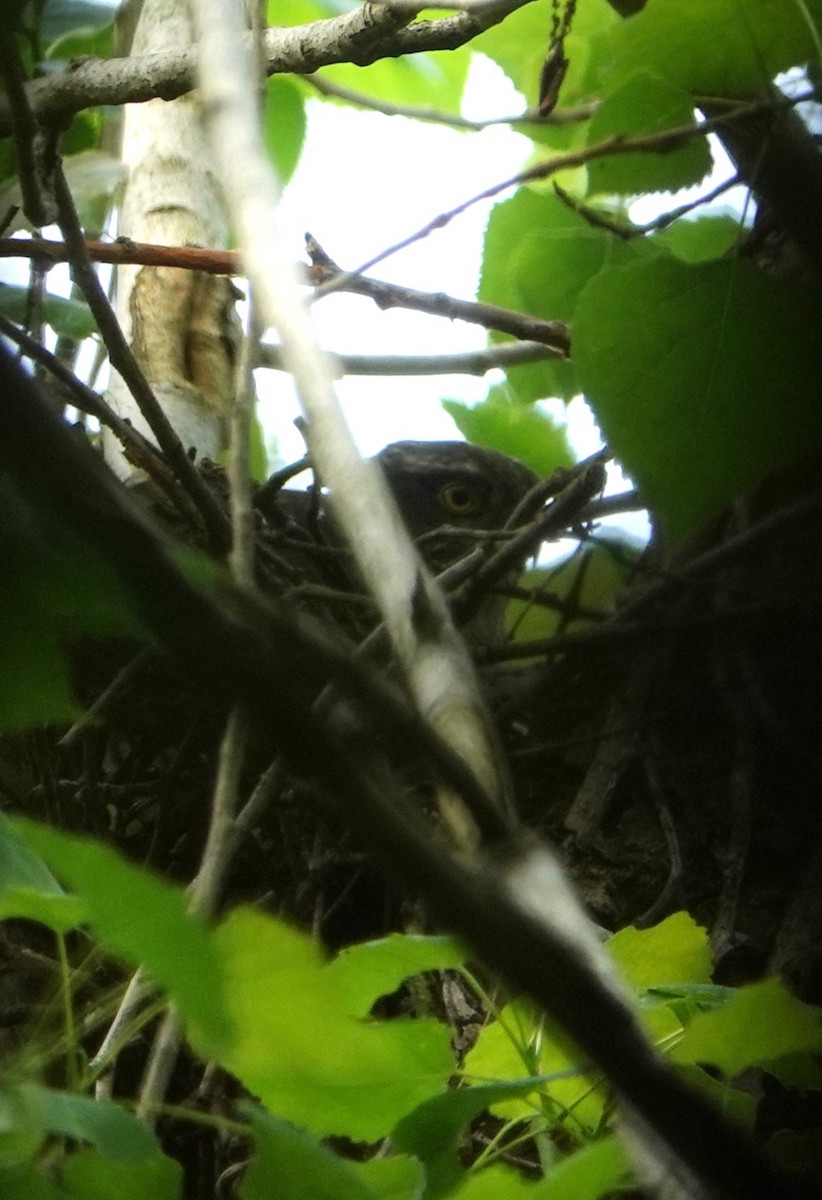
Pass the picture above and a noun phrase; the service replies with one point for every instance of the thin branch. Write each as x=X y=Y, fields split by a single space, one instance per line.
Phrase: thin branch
x=364 y=35
x=470 y=362
x=328 y=277
x=560 y=116
x=662 y=142
x=512 y=908
x=324 y=276
x=138 y=449
x=626 y=230
x=123 y=361
x=433 y=657
x=38 y=204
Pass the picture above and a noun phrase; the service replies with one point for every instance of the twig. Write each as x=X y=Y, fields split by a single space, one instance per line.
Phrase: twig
x=627 y=230
x=436 y=665
x=138 y=448
x=553 y=334
x=560 y=116
x=470 y=362
x=123 y=361
x=38 y=205
x=663 y=142
x=329 y=278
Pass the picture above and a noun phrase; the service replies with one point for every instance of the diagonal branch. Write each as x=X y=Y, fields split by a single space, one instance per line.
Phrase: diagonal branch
x=362 y=36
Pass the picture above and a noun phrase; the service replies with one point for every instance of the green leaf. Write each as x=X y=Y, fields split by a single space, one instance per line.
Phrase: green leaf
x=284 y=124
x=93 y=177
x=295 y=1045
x=603 y=575
x=537 y=257
x=142 y=919
x=716 y=47
x=642 y=105
x=702 y=238
x=675 y=951
x=24 y=1181
x=520 y=430
x=69 y=318
x=20 y=866
x=396 y=1178
x=704 y=379
x=115 y=1132
x=60 y=913
x=761 y=1025
x=422 y=80
x=519 y=45
x=289 y=1164
x=91 y=1176
x=431 y=1132
x=367 y=971
x=523 y=1043
x=591 y=1172
x=93 y=41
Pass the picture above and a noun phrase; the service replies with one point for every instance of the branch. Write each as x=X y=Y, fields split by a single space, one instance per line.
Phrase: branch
x=662 y=142
x=511 y=908
x=433 y=657
x=471 y=362
x=123 y=361
x=434 y=116
x=368 y=33
x=325 y=275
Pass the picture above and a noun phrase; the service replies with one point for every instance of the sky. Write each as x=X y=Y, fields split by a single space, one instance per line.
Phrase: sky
x=365 y=181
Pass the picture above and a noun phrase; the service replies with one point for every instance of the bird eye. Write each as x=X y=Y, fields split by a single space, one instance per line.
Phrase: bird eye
x=459 y=499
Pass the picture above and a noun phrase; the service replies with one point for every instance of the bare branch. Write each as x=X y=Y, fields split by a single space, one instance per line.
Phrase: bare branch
x=362 y=36
x=471 y=362
x=434 y=116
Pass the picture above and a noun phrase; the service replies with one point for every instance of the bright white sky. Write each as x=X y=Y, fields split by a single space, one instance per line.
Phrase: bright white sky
x=365 y=181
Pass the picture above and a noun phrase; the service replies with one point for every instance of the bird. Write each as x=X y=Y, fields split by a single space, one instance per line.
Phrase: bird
x=452 y=497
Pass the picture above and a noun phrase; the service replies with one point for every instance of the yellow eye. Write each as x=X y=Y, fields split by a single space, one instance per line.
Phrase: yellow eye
x=459 y=499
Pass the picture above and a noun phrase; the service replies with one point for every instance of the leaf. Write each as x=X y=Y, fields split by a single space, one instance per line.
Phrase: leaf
x=284 y=124
x=70 y=318
x=519 y=45
x=759 y=1026
x=521 y=430
x=602 y=577
x=645 y=104
x=115 y=1132
x=142 y=919
x=367 y=971
x=703 y=378
x=20 y=866
x=396 y=1178
x=91 y=1176
x=295 y=1045
x=559 y=1088
x=599 y=1169
x=289 y=1164
x=23 y=1181
x=431 y=1132
x=716 y=47
x=677 y=950
x=93 y=177
x=702 y=238
x=538 y=255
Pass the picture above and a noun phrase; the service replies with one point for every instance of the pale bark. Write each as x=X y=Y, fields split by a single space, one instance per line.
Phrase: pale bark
x=180 y=324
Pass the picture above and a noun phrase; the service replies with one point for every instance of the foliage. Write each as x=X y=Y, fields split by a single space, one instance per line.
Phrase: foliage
x=701 y=365
x=258 y=998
